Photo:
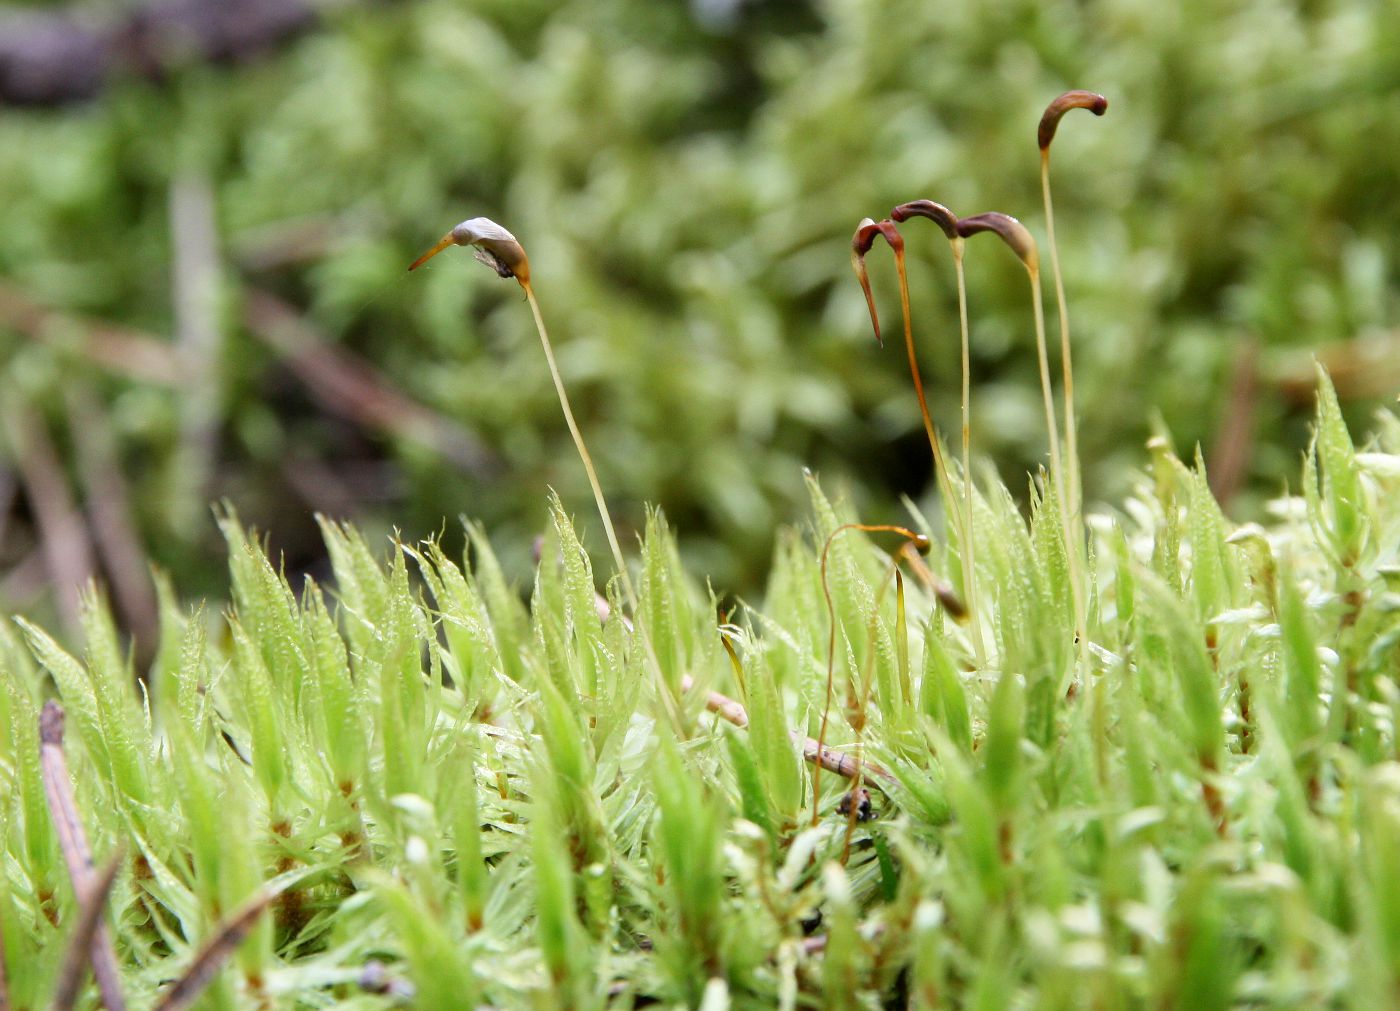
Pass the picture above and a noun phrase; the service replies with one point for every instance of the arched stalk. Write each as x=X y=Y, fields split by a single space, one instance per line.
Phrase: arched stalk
x=948 y=222
x=1015 y=235
x=1049 y=123
x=501 y=251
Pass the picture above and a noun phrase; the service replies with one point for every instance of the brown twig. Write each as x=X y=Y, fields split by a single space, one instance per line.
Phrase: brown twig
x=90 y=907
x=110 y=513
x=72 y=841
x=346 y=385
x=63 y=534
x=827 y=758
x=119 y=350
x=216 y=951
x=24 y=581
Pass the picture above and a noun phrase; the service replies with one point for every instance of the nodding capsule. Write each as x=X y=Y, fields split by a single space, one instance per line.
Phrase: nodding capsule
x=1011 y=231
x=861 y=242
x=494 y=246
x=935 y=212
x=922 y=544
x=1055 y=111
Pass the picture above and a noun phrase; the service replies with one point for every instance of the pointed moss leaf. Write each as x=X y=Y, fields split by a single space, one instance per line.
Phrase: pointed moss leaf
x=1341 y=483
x=754 y=801
x=1302 y=669
x=1176 y=640
x=261 y=711
x=941 y=691
x=508 y=618
x=667 y=609
x=773 y=747
x=1206 y=525
x=1001 y=748
x=440 y=969
x=339 y=716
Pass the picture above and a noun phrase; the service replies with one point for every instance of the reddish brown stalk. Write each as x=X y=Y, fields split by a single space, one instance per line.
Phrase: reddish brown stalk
x=860 y=245
x=72 y=841
x=921 y=543
x=948 y=222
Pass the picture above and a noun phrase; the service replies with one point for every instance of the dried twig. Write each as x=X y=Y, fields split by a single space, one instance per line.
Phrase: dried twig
x=108 y=500
x=91 y=905
x=214 y=954
x=62 y=532
x=347 y=386
x=72 y=840
x=829 y=759
x=120 y=350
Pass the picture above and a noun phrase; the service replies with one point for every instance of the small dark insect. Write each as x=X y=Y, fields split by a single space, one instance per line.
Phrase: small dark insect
x=865 y=810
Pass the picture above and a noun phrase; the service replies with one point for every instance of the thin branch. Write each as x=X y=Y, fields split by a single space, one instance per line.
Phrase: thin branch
x=829 y=759
x=119 y=350
x=347 y=386
x=109 y=509
x=63 y=533
x=72 y=840
x=91 y=904
x=216 y=951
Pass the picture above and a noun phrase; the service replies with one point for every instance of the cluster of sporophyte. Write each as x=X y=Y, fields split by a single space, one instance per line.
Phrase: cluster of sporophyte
x=1146 y=760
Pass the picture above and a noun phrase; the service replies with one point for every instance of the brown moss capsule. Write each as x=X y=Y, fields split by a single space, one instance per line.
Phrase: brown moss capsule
x=861 y=242
x=1011 y=231
x=935 y=212
x=1056 y=110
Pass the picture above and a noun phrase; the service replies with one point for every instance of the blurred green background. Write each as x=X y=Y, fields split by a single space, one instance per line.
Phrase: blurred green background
x=203 y=291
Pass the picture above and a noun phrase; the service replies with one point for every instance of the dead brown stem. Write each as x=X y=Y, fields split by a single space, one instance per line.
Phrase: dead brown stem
x=348 y=386
x=91 y=903
x=217 y=950
x=72 y=841
x=110 y=513
x=62 y=532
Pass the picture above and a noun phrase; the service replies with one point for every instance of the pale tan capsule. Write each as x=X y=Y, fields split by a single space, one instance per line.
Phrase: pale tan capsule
x=495 y=247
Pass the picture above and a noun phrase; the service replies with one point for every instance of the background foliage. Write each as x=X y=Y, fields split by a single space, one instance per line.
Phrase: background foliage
x=685 y=177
